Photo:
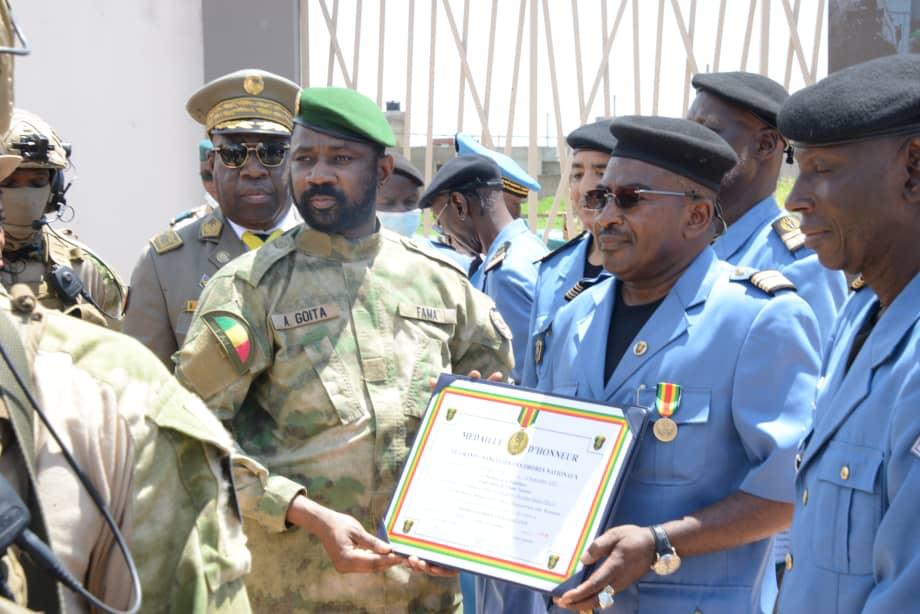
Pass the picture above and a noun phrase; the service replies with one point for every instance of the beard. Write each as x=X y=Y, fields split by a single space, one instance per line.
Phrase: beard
x=343 y=215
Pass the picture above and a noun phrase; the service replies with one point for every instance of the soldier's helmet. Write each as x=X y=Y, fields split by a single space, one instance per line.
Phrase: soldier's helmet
x=35 y=141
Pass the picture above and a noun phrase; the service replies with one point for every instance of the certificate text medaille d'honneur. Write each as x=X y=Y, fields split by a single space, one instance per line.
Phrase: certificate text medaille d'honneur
x=508 y=483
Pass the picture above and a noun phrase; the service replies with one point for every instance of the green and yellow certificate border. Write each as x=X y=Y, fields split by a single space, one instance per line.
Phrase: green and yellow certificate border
x=597 y=510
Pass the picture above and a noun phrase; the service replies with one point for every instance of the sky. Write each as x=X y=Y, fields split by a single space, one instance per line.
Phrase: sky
x=447 y=119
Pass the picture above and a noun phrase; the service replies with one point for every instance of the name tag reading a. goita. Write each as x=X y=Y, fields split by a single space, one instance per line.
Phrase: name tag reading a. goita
x=302 y=317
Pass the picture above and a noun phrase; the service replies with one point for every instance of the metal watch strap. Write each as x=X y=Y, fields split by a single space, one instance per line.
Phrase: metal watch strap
x=662 y=543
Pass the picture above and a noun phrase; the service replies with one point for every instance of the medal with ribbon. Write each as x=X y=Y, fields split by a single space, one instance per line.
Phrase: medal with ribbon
x=517 y=443
x=667 y=400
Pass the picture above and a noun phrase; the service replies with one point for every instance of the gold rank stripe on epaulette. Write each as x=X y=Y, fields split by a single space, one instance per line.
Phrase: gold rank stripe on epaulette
x=514 y=187
x=166 y=242
x=575 y=290
x=574 y=240
x=771 y=282
x=858 y=284
x=787 y=227
x=499 y=257
x=210 y=228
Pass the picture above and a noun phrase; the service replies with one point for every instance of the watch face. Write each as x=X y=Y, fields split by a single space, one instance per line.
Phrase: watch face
x=667 y=564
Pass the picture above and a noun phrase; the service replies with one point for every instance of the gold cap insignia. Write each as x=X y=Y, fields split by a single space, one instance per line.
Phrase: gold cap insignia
x=253 y=84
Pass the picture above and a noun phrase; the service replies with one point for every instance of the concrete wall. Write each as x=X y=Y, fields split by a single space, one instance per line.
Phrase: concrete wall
x=112 y=77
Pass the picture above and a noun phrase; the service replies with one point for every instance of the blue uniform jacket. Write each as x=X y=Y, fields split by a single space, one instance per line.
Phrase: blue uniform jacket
x=752 y=242
x=558 y=273
x=747 y=365
x=508 y=275
x=856 y=530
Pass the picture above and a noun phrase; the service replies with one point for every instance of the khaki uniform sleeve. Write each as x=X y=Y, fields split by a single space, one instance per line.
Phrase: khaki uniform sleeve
x=216 y=363
x=483 y=339
x=228 y=344
x=147 y=317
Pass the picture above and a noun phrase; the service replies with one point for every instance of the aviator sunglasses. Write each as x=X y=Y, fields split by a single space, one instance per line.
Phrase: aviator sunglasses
x=235 y=155
x=624 y=198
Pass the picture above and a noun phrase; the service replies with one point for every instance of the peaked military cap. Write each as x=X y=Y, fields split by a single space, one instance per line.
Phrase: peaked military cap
x=405 y=168
x=870 y=100
x=755 y=93
x=344 y=113
x=248 y=100
x=204 y=148
x=514 y=178
x=678 y=145
x=462 y=173
x=595 y=136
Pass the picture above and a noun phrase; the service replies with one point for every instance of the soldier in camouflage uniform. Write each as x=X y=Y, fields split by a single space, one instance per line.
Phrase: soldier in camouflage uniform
x=160 y=460
x=317 y=351
x=250 y=108
x=35 y=253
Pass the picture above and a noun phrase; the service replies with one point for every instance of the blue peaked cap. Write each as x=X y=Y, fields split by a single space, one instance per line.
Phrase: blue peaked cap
x=514 y=178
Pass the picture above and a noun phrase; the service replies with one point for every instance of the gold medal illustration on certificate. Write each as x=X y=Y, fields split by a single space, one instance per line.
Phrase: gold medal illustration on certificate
x=667 y=400
x=517 y=443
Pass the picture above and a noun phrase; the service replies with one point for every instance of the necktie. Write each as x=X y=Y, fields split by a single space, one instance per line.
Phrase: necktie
x=254 y=240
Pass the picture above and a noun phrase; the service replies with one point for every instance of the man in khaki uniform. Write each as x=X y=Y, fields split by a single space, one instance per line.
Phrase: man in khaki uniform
x=248 y=115
x=317 y=351
x=62 y=272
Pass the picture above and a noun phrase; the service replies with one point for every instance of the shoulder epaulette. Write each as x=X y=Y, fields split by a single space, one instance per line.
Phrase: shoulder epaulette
x=431 y=254
x=210 y=227
x=166 y=242
x=564 y=247
x=787 y=227
x=498 y=258
x=768 y=281
x=858 y=284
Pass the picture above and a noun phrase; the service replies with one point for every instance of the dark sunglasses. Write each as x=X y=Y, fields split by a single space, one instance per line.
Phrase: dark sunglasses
x=235 y=155
x=624 y=198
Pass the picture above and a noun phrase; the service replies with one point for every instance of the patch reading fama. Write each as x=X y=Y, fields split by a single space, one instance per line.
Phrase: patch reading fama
x=438 y=315
x=233 y=335
x=302 y=317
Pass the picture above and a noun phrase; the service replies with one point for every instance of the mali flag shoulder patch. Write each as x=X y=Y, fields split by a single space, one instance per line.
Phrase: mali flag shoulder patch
x=234 y=337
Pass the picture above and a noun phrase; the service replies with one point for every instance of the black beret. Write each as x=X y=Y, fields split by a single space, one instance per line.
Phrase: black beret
x=870 y=100
x=595 y=136
x=463 y=173
x=404 y=167
x=755 y=93
x=678 y=145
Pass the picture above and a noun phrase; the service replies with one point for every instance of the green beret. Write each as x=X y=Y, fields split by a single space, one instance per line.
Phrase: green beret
x=344 y=113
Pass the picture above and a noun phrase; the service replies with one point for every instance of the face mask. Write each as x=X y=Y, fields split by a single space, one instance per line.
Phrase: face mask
x=403 y=222
x=23 y=206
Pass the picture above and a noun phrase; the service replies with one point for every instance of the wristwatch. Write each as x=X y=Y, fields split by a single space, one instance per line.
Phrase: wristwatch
x=666 y=559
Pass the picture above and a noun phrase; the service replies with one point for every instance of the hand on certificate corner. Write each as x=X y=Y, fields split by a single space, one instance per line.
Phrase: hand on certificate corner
x=474 y=374
x=350 y=548
x=627 y=551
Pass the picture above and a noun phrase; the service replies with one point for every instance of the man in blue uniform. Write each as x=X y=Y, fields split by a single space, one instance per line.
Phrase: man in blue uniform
x=724 y=358
x=465 y=198
x=516 y=183
x=856 y=529
x=577 y=265
x=741 y=107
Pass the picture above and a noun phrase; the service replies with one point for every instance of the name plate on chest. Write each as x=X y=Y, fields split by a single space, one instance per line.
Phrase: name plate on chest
x=305 y=316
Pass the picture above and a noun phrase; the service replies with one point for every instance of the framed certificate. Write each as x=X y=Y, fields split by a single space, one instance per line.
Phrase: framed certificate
x=510 y=483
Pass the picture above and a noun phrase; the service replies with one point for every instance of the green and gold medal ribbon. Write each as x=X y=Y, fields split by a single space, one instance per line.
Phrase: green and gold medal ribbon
x=527 y=416
x=667 y=399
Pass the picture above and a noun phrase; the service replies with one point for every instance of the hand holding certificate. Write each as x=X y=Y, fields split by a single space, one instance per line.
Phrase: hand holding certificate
x=510 y=483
